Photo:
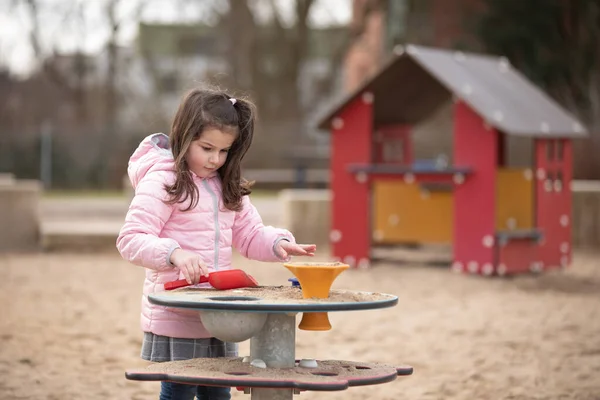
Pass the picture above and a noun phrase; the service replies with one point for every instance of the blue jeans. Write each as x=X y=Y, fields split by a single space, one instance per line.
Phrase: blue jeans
x=179 y=391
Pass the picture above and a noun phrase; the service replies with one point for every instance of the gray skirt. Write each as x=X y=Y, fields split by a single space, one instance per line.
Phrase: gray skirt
x=158 y=348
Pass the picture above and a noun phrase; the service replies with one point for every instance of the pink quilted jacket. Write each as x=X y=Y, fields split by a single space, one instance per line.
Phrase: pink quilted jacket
x=153 y=229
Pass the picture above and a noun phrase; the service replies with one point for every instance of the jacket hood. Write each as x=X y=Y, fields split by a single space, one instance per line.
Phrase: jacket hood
x=153 y=154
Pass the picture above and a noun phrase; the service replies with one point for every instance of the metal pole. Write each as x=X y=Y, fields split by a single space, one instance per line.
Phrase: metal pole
x=275 y=344
x=46 y=155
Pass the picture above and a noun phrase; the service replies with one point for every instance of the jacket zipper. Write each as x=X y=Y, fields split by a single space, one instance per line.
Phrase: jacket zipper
x=216 y=219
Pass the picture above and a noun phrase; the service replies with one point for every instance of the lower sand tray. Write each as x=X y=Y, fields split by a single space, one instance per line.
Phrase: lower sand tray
x=330 y=375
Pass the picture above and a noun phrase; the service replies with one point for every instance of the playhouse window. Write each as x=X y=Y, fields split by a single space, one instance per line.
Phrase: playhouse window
x=393 y=151
x=559 y=150
x=550 y=150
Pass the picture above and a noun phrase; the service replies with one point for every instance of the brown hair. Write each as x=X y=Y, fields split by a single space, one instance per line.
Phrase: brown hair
x=199 y=110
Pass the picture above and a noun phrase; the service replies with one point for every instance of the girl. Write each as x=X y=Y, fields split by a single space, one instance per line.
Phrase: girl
x=190 y=207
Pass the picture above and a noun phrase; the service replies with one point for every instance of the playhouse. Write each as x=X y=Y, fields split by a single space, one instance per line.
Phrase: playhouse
x=499 y=219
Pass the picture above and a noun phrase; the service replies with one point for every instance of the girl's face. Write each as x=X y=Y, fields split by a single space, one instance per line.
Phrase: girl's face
x=209 y=152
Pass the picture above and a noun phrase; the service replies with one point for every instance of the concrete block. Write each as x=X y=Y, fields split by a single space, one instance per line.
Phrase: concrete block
x=586 y=214
x=305 y=212
x=19 y=216
x=7 y=179
x=127 y=187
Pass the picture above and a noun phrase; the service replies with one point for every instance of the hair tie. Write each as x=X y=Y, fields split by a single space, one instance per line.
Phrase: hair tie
x=233 y=101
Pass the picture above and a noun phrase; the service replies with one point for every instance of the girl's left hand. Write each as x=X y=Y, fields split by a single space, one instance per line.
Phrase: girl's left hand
x=286 y=249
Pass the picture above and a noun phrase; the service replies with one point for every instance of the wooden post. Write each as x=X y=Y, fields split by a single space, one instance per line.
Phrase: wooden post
x=351 y=215
x=474 y=195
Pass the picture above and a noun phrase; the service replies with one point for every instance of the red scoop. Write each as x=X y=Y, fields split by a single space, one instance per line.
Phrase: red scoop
x=221 y=280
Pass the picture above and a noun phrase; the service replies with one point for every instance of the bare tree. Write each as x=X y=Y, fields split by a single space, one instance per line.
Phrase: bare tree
x=72 y=88
x=112 y=71
x=85 y=105
x=242 y=48
x=268 y=58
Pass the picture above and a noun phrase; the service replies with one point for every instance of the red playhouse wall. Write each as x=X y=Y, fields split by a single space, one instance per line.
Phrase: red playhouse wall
x=475 y=199
x=553 y=158
x=351 y=143
x=518 y=255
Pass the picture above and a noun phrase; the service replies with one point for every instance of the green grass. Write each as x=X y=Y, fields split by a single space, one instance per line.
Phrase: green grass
x=53 y=194
x=84 y=193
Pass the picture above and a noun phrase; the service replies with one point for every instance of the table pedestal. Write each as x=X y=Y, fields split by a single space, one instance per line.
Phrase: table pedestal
x=275 y=344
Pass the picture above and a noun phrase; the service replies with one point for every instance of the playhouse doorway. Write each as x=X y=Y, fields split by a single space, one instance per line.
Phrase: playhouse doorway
x=515 y=184
x=412 y=217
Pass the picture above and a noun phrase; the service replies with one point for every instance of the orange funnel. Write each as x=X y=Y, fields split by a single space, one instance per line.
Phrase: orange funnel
x=315 y=279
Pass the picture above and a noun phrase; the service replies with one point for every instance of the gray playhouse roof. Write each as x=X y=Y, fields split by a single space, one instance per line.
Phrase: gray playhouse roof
x=411 y=85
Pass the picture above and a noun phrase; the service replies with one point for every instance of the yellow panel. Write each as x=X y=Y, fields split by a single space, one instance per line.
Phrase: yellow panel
x=514 y=199
x=404 y=213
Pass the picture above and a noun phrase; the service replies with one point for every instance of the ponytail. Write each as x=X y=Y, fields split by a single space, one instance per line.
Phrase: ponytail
x=234 y=186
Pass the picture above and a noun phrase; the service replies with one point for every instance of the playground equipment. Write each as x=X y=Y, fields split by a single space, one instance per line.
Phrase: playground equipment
x=499 y=219
x=266 y=316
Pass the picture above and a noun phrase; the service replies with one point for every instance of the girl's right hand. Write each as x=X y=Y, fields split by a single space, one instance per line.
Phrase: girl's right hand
x=190 y=264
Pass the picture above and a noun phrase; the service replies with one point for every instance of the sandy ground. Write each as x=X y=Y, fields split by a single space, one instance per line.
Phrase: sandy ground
x=69 y=330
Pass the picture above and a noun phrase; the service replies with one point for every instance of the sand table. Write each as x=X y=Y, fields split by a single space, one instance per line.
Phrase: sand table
x=234 y=368
x=275 y=295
